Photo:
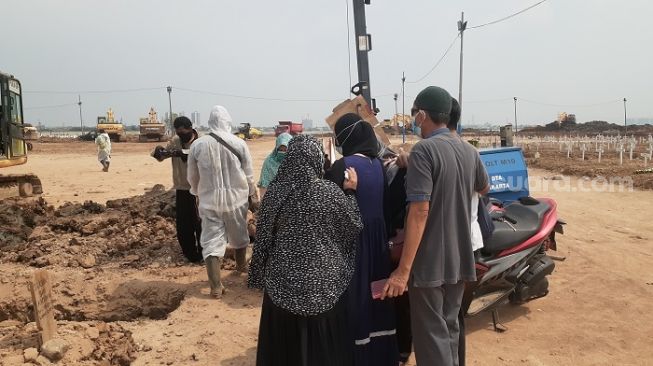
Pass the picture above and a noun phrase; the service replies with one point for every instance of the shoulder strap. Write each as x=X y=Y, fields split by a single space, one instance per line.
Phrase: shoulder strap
x=229 y=147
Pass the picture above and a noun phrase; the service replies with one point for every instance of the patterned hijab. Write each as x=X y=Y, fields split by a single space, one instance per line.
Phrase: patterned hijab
x=273 y=161
x=303 y=163
x=302 y=166
x=313 y=249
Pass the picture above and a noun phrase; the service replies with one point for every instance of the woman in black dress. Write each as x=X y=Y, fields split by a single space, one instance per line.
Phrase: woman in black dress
x=303 y=259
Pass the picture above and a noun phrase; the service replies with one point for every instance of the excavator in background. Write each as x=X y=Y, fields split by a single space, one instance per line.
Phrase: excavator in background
x=114 y=128
x=151 y=128
x=394 y=125
x=13 y=147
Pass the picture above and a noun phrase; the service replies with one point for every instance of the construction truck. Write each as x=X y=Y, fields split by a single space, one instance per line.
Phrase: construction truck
x=151 y=128
x=13 y=148
x=114 y=128
x=247 y=132
x=293 y=128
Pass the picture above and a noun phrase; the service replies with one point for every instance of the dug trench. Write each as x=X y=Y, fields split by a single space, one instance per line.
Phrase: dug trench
x=91 y=312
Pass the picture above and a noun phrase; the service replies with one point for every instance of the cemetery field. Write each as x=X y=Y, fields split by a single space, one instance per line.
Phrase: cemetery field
x=612 y=168
x=122 y=293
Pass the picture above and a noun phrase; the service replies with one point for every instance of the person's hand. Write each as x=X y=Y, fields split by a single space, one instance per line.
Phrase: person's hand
x=402 y=159
x=352 y=181
x=159 y=153
x=396 y=285
x=254 y=202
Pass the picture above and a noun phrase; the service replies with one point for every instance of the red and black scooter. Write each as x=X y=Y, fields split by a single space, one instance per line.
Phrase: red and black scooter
x=513 y=265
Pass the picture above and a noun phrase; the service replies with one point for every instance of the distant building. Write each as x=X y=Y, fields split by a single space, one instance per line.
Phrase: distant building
x=308 y=123
x=195 y=118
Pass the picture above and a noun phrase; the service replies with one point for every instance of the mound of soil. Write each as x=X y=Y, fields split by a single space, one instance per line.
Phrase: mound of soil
x=92 y=343
x=133 y=232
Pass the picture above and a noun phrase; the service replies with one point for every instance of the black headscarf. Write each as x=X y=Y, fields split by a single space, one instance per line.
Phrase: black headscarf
x=356 y=136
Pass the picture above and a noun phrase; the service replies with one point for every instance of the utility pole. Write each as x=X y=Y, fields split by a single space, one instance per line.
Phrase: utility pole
x=81 y=121
x=625 y=120
x=169 y=89
x=363 y=46
x=396 y=96
x=462 y=25
x=515 y=98
x=403 y=107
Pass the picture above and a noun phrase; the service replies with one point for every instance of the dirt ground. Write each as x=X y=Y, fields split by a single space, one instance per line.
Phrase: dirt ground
x=125 y=295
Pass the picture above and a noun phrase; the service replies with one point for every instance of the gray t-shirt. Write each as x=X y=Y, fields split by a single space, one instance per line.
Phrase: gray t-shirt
x=444 y=170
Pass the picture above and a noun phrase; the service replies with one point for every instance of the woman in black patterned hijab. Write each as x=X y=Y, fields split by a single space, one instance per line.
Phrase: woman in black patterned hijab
x=303 y=260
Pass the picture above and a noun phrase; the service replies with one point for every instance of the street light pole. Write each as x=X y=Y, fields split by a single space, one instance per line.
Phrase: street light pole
x=363 y=47
x=81 y=121
x=395 y=97
x=403 y=107
x=625 y=120
x=169 y=89
x=462 y=25
x=516 y=129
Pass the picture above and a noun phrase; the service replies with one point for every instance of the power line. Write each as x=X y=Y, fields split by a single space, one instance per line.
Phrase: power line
x=507 y=17
x=438 y=62
x=348 y=44
x=91 y=91
x=570 y=105
x=256 y=98
x=489 y=100
x=52 y=106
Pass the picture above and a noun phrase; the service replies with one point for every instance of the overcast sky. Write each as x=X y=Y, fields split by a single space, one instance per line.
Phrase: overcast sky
x=560 y=56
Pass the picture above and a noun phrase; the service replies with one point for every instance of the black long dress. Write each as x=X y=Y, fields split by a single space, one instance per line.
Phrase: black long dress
x=304 y=258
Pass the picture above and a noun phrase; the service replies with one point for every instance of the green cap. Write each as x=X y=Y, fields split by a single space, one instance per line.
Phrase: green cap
x=434 y=99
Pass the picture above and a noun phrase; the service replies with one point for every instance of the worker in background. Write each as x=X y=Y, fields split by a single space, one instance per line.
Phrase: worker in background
x=272 y=162
x=221 y=176
x=103 y=143
x=189 y=227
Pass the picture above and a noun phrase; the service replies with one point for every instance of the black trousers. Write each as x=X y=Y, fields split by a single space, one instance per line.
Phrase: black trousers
x=189 y=226
x=404 y=334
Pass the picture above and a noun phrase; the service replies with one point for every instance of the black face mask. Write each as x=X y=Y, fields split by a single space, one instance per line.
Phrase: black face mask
x=185 y=137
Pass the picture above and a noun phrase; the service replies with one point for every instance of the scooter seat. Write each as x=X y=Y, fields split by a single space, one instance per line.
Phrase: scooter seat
x=507 y=234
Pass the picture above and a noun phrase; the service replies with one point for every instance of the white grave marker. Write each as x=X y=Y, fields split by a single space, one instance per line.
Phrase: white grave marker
x=583 y=148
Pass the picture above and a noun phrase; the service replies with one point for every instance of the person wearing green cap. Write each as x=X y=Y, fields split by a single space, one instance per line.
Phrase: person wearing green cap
x=437 y=257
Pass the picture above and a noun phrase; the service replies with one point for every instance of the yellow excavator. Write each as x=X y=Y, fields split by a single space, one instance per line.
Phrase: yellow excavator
x=13 y=148
x=113 y=128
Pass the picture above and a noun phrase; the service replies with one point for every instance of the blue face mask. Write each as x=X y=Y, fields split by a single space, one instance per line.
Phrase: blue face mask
x=417 y=130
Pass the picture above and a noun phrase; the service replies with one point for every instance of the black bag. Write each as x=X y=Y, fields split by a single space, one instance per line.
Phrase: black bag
x=484 y=218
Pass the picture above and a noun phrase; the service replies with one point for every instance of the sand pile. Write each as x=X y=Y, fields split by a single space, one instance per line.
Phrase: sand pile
x=132 y=232
x=91 y=343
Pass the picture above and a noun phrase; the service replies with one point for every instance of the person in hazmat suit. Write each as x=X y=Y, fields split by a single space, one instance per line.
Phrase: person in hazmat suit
x=221 y=176
x=103 y=143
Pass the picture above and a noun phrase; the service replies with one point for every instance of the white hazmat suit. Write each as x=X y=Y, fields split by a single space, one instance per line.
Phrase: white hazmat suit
x=103 y=143
x=222 y=184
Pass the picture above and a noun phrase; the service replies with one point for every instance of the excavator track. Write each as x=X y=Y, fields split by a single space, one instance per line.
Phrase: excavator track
x=28 y=184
